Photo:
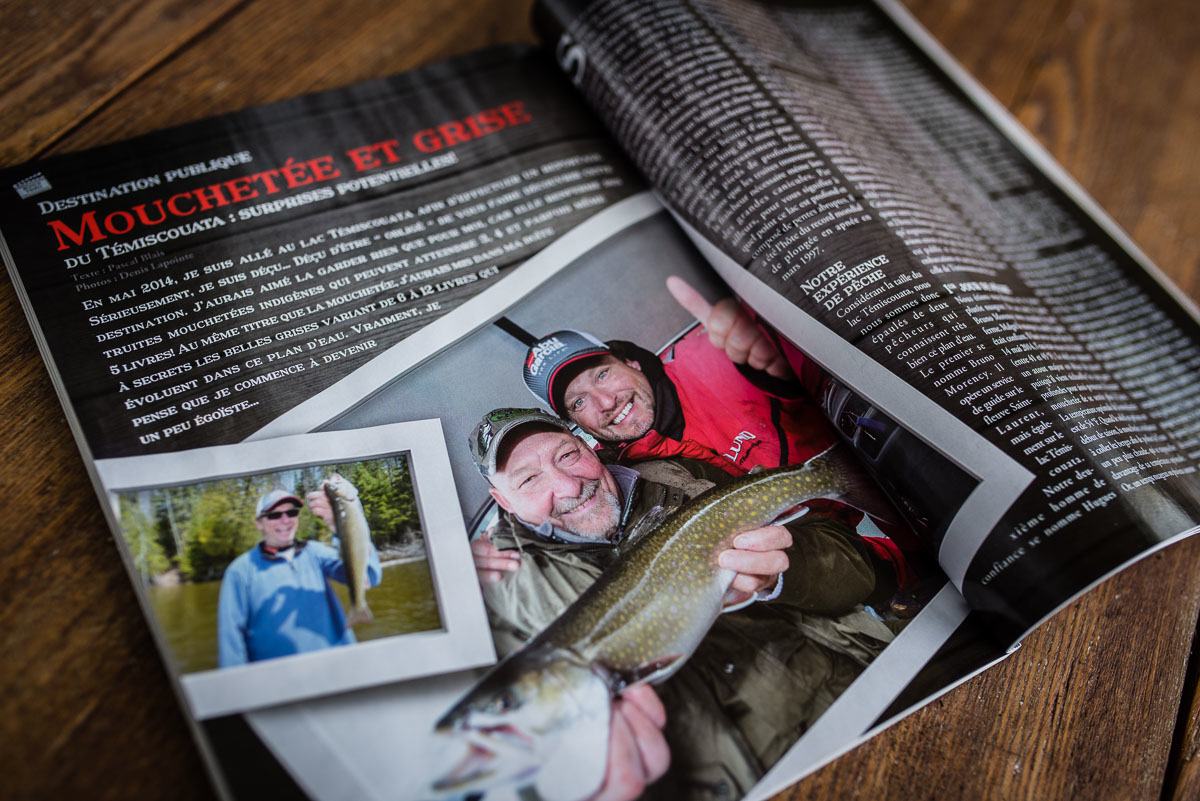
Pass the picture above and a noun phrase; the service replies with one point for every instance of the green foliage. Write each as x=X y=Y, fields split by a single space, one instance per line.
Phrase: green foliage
x=141 y=539
x=201 y=528
x=221 y=527
x=388 y=501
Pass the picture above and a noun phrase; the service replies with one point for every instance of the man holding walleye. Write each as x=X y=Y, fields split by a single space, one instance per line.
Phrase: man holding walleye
x=760 y=677
x=275 y=598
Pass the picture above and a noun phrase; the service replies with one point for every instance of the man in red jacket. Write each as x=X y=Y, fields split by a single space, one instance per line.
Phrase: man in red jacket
x=723 y=394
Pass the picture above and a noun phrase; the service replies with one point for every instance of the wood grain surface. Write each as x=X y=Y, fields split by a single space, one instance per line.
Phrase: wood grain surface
x=1100 y=702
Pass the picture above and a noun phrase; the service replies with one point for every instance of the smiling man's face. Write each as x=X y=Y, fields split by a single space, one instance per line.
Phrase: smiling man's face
x=278 y=524
x=553 y=476
x=611 y=399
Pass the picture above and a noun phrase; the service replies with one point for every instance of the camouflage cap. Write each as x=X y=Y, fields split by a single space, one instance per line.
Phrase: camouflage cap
x=485 y=440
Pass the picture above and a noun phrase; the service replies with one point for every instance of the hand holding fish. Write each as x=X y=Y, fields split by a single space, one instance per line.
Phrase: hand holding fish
x=318 y=504
x=491 y=563
x=534 y=717
x=731 y=329
x=758 y=556
x=638 y=754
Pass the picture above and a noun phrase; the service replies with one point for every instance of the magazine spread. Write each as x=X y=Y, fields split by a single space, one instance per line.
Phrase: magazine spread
x=656 y=413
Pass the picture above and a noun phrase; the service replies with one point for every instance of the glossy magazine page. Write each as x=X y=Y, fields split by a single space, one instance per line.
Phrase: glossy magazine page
x=880 y=210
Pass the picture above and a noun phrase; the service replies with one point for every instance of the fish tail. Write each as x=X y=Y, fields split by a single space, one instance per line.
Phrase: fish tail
x=359 y=614
x=855 y=484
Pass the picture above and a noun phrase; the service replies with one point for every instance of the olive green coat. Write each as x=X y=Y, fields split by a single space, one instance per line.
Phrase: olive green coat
x=762 y=675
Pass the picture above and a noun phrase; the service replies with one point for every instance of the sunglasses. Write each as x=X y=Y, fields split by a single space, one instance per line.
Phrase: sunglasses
x=277 y=515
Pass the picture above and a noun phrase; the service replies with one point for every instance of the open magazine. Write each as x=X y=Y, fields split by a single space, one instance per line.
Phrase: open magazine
x=659 y=412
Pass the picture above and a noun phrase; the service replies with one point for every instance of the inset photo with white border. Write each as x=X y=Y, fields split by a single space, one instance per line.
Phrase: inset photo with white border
x=301 y=566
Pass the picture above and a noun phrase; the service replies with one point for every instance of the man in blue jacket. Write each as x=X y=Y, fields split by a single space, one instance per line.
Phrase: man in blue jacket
x=275 y=598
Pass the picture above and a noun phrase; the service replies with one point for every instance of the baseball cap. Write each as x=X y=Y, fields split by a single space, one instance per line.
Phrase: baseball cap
x=272 y=499
x=548 y=356
x=485 y=441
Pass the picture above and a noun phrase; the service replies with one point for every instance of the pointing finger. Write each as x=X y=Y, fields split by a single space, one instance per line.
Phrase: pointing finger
x=687 y=297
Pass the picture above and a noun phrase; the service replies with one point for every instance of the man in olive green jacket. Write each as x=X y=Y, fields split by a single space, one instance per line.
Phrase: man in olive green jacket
x=765 y=671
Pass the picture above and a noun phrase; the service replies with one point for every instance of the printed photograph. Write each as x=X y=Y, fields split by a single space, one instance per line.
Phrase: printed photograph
x=270 y=565
x=676 y=517
x=301 y=566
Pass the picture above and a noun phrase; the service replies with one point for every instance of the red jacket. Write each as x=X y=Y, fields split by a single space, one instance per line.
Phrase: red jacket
x=716 y=414
x=726 y=419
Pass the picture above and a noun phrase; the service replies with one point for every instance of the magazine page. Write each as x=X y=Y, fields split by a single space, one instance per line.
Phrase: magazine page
x=931 y=259
x=381 y=384
x=192 y=285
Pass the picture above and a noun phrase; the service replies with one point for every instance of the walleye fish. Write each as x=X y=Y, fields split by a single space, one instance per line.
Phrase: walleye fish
x=355 y=537
x=541 y=715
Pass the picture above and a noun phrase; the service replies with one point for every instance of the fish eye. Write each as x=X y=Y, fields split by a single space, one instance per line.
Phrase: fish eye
x=506 y=701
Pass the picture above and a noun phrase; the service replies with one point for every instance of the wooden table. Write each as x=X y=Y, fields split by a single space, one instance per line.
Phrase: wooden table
x=1100 y=703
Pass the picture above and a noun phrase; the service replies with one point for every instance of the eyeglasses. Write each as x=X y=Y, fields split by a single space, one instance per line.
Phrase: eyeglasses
x=277 y=515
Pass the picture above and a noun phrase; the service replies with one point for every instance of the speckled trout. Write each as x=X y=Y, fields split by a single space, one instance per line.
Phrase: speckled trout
x=541 y=716
x=355 y=539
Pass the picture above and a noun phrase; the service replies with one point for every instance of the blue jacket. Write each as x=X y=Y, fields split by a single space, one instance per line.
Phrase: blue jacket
x=270 y=606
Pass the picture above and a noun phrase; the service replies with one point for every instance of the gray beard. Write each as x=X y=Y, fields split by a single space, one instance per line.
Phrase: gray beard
x=568 y=505
x=610 y=521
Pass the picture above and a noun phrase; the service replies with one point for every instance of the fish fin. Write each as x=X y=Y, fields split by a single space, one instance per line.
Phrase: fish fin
x=858 y=490
x=358 y=615
x=791 y=515
x=653 y=672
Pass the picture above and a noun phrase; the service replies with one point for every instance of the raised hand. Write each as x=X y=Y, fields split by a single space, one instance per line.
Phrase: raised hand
x=731 y=329
x=318 y=504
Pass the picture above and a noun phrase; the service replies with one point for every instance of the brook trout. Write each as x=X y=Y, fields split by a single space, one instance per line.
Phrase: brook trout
x=542 y=714
x=355 y=537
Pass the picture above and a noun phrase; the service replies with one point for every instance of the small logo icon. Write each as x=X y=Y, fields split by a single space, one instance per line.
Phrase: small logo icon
x=33 y=185
x=537 y=356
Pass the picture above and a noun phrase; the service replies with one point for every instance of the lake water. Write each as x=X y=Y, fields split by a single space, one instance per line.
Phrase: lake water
x=402 y=603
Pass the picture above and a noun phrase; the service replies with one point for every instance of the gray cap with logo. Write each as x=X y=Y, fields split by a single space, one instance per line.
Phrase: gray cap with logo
x=549 y=356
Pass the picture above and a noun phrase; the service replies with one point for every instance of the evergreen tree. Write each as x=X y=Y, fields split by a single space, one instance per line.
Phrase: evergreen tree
x=222 y=527
x=141 y=538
